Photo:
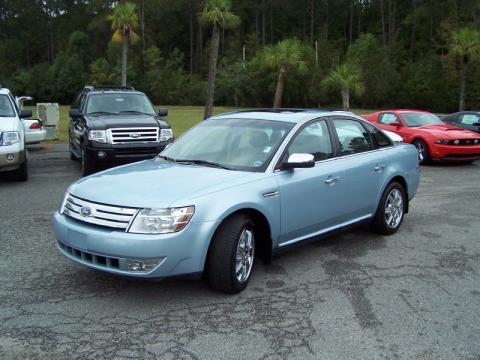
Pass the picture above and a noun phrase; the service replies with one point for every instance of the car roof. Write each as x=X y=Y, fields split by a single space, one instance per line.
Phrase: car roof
x=404 y=111
x=4 y=91
x=285 y=115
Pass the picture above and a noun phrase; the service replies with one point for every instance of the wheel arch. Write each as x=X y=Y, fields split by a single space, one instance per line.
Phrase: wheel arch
x=401 y=180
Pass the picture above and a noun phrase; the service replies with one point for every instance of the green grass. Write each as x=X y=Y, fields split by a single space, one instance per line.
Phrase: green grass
x=181 y=118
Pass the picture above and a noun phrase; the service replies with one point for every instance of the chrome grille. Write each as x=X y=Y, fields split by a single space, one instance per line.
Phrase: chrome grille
x=132 y=135
x=98 y=214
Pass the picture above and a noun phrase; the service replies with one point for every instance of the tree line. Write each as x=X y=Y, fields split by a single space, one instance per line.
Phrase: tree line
x=250 y=53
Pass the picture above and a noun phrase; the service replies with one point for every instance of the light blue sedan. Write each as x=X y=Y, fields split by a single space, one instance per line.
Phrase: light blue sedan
x=236 y=187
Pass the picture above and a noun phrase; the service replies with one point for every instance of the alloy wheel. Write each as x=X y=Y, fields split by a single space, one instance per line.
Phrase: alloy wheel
x=394 y=208
x=244 y=255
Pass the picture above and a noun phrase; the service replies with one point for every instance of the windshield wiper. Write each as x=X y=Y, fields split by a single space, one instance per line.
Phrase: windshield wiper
x=166 y=158
x=102 y=113
x=204 y=162
x=135 y=112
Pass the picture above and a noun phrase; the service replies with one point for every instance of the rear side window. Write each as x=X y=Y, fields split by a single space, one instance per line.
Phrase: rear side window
x=387 y=118
x=313 y=139
x=380 y=140
x=469 y=119
x=352 y=136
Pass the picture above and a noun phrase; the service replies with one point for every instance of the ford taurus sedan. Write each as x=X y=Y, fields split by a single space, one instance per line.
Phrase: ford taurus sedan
x=236 y=187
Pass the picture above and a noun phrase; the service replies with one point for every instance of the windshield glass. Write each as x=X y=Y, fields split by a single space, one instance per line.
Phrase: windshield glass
x=6 y=108
x=238 y=144
x=119 y=103
x=419 y=119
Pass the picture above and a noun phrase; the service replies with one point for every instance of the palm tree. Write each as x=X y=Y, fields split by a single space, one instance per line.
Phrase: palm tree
x=124 y=23
x=466 y=45
x=216 y=14
x=348 y=79
x=287 y=55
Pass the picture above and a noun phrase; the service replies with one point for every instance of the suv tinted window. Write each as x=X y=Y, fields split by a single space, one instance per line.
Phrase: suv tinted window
x=380 y=140
x=313 y=139
x=353 y=137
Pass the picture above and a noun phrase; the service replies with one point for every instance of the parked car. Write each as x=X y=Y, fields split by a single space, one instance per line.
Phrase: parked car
x=469 y=120
x=112 y=126
x=434 y=139
x=234 y=187
x=34 y=130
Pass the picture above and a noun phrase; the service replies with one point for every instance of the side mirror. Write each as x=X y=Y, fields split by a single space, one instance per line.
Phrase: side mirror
x=75 y=113
x=25 y=114
x=163 y=112
x=395 y=123
x=299 y=160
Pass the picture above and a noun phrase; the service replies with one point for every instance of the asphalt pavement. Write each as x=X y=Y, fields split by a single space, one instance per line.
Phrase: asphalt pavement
x=413 y=295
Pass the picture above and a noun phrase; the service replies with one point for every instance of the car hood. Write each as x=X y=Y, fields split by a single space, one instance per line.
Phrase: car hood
x=122 y=121
x=8 y=124
x=448 y=131
x=156 y=184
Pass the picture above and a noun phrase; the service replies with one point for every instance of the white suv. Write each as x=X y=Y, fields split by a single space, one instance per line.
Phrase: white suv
x=13 y=157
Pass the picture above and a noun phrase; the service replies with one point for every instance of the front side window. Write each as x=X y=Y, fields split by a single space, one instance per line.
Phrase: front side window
x=6 y=107
x=313 y=139
x=469 y=119
x=420 y=119
x=119 y=103
x=353 y=137
x=388 y=118
x=237 y=144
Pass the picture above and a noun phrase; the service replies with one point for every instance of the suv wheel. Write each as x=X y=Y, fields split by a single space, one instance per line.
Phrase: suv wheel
x=22 y=173
x=72 y=155
x=391 y=210
x=88 y=166
x=231 y=256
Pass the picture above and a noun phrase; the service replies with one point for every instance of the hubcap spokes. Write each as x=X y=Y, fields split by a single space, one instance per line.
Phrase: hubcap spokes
x=244 y=255
x=394 y=208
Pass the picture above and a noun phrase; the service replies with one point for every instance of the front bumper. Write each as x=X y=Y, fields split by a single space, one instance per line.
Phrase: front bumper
x=109 y=250
x=18 y=153
x=455 y=152
x=124 y=153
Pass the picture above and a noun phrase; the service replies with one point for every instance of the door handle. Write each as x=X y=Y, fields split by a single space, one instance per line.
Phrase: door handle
x=379 y=168
x=332 y=180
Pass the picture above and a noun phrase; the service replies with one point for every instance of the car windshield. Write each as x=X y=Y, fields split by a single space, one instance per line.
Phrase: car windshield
x=6 y=108
x=119 y=103
x=420 y=119
x=236 y=144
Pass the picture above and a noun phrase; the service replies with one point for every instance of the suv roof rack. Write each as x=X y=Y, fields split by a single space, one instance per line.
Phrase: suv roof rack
x=107 y=87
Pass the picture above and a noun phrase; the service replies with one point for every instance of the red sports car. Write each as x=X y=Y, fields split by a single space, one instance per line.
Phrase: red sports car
x=433 y=139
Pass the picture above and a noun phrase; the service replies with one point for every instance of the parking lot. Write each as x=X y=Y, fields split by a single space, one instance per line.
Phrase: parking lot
x=414 y=295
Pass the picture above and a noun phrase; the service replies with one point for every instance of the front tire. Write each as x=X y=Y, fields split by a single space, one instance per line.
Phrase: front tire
x=423 y=151
x=231 y=255
x=391 y=210
x=88 y=167
x=22 y=173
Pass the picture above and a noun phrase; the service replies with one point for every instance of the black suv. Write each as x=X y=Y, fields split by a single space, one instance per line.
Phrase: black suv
x=112 y=126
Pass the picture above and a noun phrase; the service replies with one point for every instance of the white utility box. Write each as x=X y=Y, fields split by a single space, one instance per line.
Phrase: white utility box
x=49 y=113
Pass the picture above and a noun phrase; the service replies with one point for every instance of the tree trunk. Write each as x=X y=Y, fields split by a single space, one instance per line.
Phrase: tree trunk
x=212 y=70
x=312 y=21
x=142 y=28
x=263 y=23
x=350 y=28
x=463 y=83
x=124 y=59
x=191 y=38
x=277 y=102
x=382 y=12
x=346 y=99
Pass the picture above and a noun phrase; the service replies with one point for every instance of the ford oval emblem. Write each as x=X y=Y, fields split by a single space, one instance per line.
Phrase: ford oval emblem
x=135 y=135
x=86 y=211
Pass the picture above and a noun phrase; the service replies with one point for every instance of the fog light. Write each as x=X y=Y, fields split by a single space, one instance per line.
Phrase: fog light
x=101 y=154
x=145 y=265
x=10 y=157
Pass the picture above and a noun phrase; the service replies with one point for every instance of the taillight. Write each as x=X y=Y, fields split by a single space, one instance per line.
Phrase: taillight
x=35 y=125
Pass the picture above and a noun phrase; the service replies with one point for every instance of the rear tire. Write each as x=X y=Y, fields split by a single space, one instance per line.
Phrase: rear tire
x=231 y=255
x=423 y=151
x=72 y=155
x=391 y=210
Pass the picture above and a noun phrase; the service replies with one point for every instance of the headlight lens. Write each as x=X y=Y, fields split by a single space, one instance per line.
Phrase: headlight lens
x=166 y=134
x=98 y=135
x=161 y=221
x=442 y=141
x=64 y=201
x=10 y=138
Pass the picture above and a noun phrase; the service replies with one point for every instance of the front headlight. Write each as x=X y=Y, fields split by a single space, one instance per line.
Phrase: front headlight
x=64 y=202
x=10 y=138
x=165 y=134
x=442 y=141
x=161 y=221
x=98 y=135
